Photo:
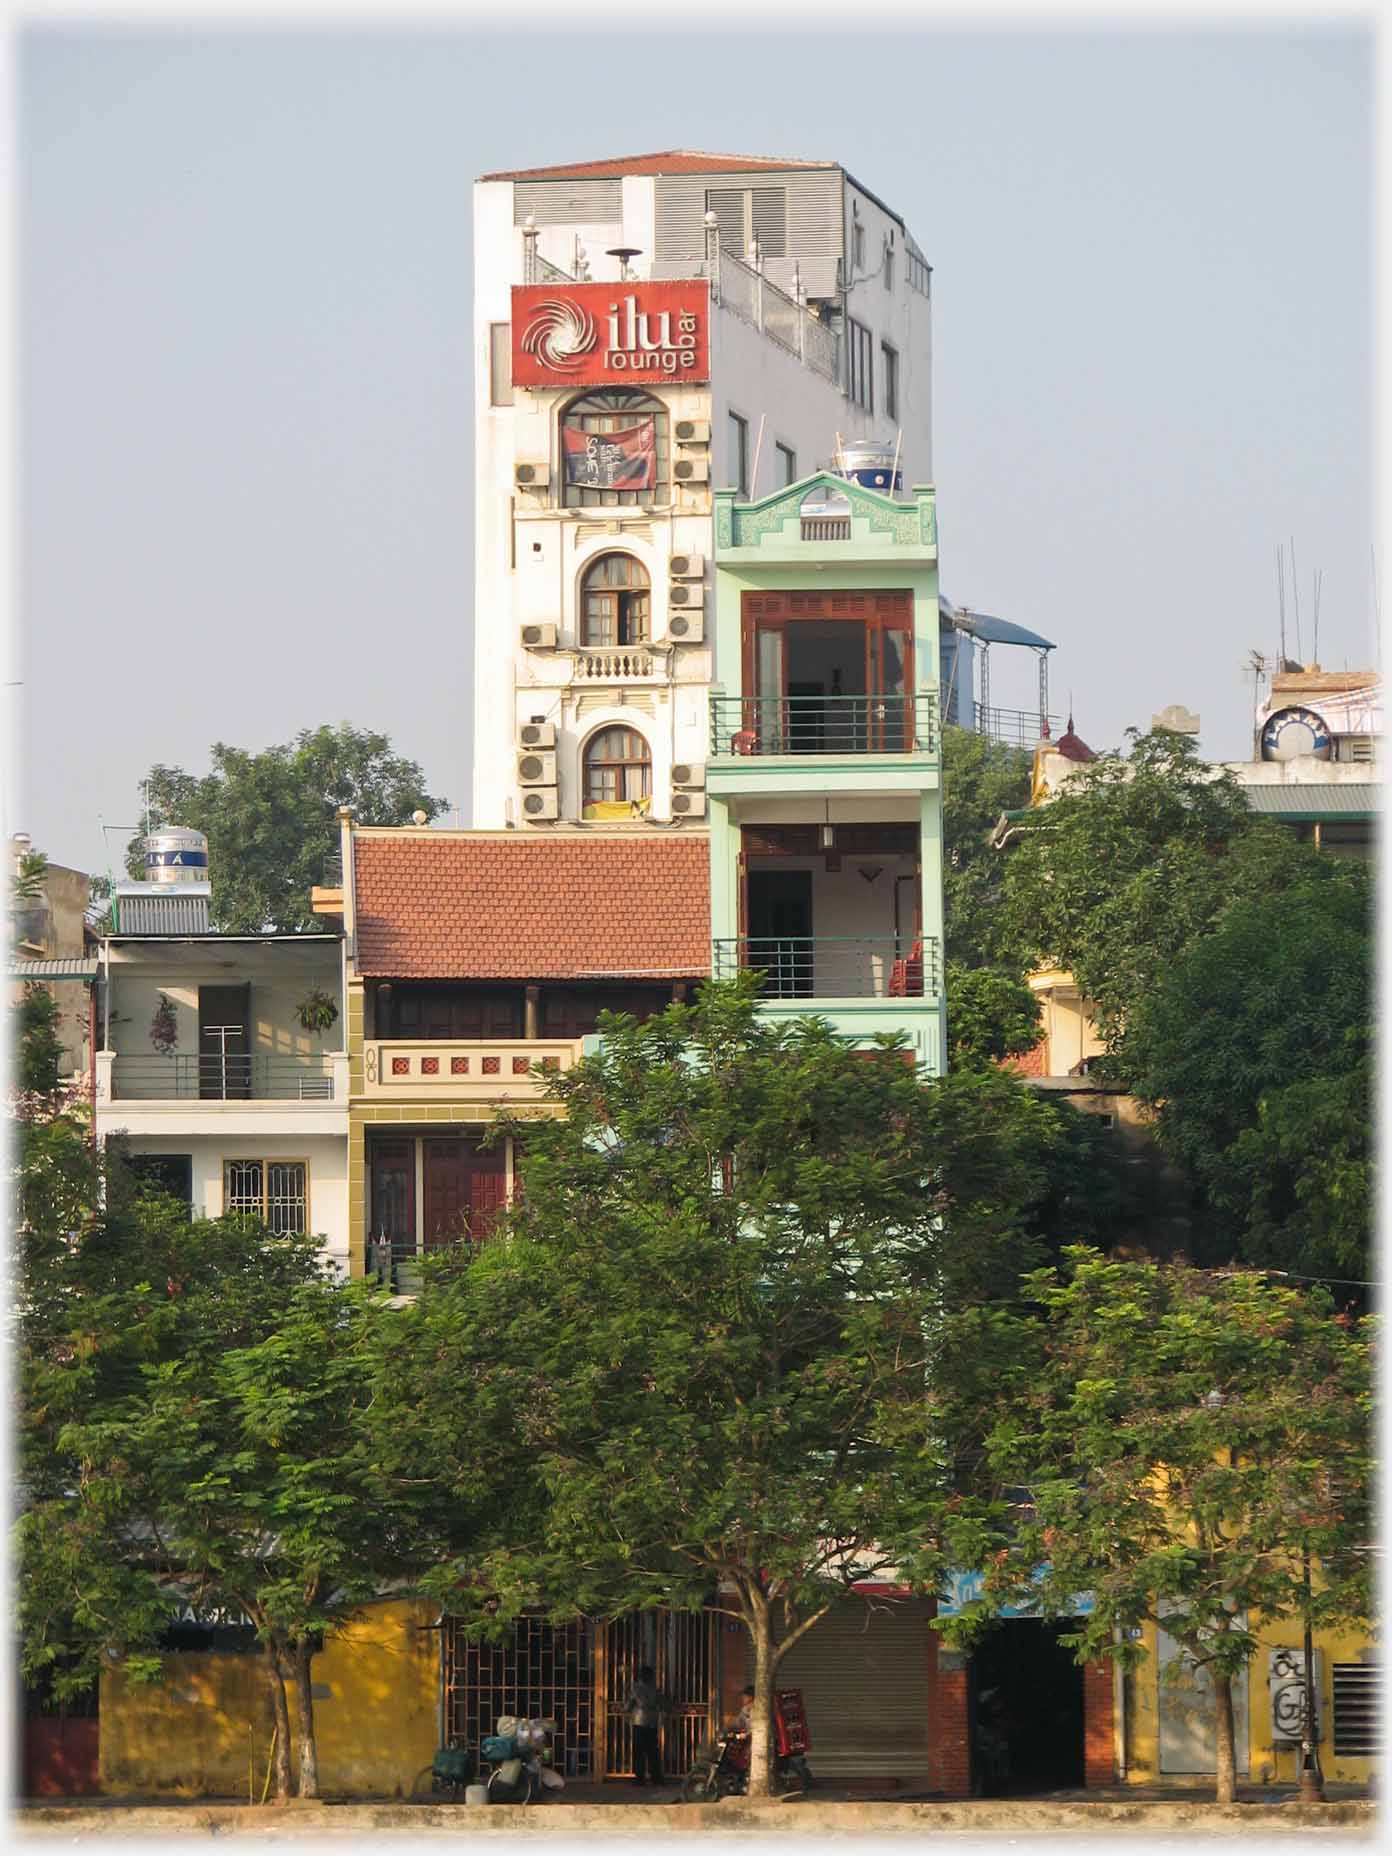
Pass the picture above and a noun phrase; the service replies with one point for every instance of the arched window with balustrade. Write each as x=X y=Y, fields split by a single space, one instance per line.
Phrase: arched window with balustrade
x=615 y=602
x=598 y=479
x=617 y=765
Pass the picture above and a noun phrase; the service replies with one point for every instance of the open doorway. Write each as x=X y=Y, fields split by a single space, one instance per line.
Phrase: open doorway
x=1026 y=1698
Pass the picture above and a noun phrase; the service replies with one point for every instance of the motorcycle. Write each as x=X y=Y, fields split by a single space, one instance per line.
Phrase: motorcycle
x=519 y=1752
x=722 y=1765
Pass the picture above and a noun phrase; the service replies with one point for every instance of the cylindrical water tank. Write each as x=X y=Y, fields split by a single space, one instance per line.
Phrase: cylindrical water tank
x=868 y=461
x=176 y=855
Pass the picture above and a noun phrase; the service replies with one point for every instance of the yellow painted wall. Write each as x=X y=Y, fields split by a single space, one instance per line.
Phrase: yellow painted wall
x=1266 y=1764
x=376 y=1713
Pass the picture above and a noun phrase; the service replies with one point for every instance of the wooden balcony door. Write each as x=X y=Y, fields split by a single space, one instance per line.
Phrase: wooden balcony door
x=830 y=672
x=464 y=1187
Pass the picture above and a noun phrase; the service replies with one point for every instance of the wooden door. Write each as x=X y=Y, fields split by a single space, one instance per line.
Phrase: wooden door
x=465 y=1187
x=224 y=1042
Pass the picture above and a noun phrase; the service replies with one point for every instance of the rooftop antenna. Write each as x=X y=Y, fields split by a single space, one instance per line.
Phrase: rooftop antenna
x=1255 y=668
x=1295 y=594
x=1281 y=595
x=758 y=447
x=1319 y=577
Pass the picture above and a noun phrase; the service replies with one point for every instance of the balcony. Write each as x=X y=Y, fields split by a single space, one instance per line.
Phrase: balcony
x=490 y=1071
x=191 y=1077
x=1016 y=728
x=812 y=967
x=824 y=725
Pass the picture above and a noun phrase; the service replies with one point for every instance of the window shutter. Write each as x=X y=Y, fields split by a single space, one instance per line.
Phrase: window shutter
x=769 y=217
x=567 y=202
x=727 y=203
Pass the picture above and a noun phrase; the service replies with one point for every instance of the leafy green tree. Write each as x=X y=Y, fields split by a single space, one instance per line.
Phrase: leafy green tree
x=40 y=1051
x=1131 y=862
x=27 y=883
x=981 y=779
x=190 y=1430
x=271 y=818
x=703 y=1337
x=1254 y=1048
x=991 y=1014
x=1191 y=1441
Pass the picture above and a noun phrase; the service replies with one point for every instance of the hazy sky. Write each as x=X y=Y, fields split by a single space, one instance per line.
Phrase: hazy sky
x=244 y=293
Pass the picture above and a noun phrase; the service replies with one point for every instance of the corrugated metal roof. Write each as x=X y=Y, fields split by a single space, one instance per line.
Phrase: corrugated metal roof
x=61 y=967
x=1315 y=800
x=172 y=911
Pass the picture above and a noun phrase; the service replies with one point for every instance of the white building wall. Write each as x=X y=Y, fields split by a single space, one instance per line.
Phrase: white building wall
x=531 y=553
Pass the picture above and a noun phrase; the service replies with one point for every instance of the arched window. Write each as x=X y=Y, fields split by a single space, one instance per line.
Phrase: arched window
x=618 y=768
x=614 y=602
x=606 y=413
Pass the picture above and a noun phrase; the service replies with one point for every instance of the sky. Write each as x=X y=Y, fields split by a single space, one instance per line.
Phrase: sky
x=244 y=404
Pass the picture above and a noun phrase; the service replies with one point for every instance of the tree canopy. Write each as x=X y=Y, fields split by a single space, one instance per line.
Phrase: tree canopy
x=703 y=1336
x=1187 y=1440
x=271 y=818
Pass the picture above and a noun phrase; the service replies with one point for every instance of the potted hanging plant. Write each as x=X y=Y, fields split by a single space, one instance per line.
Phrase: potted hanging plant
x=164 y=1026
x=316 y=1011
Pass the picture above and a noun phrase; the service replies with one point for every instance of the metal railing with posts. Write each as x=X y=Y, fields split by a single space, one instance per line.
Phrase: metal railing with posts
x=1019 y=728
x=748 y=294
x=834 y=966
x=824 y=724
x=258 y=1077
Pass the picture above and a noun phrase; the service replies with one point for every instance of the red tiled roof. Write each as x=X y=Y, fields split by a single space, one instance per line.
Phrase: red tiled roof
x=437 y=905
x=669 y=161
x=1027 y=1063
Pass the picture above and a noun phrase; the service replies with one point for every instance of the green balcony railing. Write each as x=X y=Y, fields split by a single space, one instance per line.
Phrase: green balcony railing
x=830 y=725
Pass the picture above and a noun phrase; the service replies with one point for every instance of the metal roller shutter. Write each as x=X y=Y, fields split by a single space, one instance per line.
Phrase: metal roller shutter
x=863 y=1671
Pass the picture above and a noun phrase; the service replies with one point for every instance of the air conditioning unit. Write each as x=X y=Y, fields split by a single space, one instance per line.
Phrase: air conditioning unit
x=688 y=594
x=688 y=805
x=539 y=637
x=687 y=566
x=690 y=774
x=536 y=769
x=540 y=804
x=537 y=735
x=692 y=470
x=693 y=431
x=531 y=476
x=686 y=626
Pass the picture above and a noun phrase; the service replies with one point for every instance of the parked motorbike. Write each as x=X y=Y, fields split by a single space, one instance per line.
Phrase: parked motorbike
x=722 y=1765
x=519 y=1752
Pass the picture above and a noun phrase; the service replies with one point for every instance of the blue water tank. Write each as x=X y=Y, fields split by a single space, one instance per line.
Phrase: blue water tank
x=869 y=462
x=176 y=855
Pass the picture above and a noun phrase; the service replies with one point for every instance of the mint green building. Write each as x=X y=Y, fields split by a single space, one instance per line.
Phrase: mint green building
x=823 y=780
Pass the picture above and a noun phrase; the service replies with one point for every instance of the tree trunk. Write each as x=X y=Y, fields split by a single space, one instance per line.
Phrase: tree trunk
x=761 y=1741
x=1226 y=1792
x=304 y=1698
x=280 y=1714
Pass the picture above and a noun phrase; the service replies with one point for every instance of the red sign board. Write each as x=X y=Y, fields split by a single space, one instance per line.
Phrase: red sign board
x=610 y=335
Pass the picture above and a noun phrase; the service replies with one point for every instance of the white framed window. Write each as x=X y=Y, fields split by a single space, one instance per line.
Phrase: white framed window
x=276 y=1191
x=738 y=461
x=857 y=243
x=787 y=463
x=860 y=364
x=918 y=271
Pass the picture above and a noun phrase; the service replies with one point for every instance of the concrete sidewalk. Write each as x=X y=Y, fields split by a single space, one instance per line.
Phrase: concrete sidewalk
x=804 y=1816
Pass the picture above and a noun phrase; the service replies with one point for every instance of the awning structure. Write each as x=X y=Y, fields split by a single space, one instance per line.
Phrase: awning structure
x=1310 y=802
x=61 y=967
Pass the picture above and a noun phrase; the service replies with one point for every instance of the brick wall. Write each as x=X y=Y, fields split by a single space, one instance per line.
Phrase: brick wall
x=949 y=1744
x=1099 y=1733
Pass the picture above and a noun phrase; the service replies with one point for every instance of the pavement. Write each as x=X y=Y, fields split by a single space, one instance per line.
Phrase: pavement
x=623 y=1812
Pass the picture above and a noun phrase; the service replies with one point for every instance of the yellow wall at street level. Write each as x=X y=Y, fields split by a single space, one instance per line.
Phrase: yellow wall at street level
x=1266 y=1764
x=191 y=1734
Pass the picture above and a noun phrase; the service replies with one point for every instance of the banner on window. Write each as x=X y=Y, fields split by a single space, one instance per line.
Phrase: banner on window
x=624 y=460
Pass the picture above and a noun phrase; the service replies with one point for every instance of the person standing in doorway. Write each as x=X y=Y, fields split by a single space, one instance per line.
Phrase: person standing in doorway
x=645 y=1707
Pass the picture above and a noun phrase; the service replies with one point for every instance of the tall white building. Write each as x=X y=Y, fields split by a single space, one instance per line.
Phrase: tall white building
x=647 y=330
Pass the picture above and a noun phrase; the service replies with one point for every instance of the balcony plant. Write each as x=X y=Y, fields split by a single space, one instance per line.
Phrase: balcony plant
x=316 y=1011
x=164 y=1026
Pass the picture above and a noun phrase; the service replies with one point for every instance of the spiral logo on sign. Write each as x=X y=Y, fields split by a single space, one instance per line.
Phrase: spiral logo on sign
x=560 y=334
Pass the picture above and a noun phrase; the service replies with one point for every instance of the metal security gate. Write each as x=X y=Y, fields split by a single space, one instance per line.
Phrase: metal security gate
x=864 y=1674
x=579 y=1675
x=542 y=1669
x=681 y=1646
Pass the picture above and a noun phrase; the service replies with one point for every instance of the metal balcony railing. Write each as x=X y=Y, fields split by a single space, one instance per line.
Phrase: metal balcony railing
x=834 y=966
x=748 y=294
x=1019 y=728
x=231 y=1078
x=824 y=724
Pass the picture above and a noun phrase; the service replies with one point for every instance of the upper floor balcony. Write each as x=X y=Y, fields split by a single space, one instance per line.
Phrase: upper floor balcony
x=489 y=1071
x=833 y=725
x=813 y=967
x=222 y=1077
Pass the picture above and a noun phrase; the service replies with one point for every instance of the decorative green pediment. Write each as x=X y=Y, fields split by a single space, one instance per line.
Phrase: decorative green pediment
x=777 y=519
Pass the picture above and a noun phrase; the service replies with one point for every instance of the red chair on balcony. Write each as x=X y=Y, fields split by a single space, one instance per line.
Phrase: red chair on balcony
x=906 y=976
